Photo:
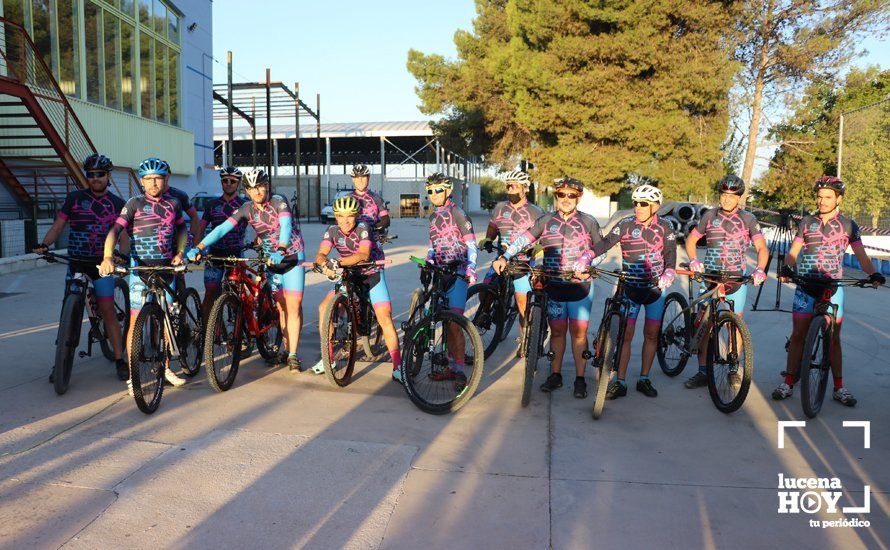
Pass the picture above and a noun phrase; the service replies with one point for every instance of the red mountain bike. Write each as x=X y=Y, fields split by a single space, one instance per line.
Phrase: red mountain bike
x=244 y=313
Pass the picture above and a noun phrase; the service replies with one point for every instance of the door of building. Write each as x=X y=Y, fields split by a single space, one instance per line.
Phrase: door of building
x=409 y=205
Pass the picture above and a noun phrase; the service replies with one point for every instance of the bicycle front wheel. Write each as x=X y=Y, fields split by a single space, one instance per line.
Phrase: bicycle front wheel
x=222 y=342
x=607 y=359
x=148 y=358
x=338 y=340
x=67 y=340
x=532 y=344
x=815 y=366
x=436 y=371
x=190 y=339
x=674 y=335
x=730 y=363
x=486 y=312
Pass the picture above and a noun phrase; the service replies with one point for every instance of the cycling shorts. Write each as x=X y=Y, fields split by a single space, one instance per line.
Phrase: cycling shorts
x=378 y=292
x=577 y=311
x=214 y=271
x=739 y=298
x=653 y=311
x=522 y=285
x=103 y=286
x=291 y=281
x=457 y=296
x=139 y=290
x=804 y=304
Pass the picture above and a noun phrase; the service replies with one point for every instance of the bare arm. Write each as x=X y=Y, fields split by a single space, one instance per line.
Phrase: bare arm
x=862 y=256
x=53 y=232
x=762 y=253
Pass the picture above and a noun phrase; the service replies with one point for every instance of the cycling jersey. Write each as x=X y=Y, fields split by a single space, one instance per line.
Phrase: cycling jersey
x=89 y=218
x=567 y=241
x=216 y=212
x=512 y=222
x=152 y=224
x=824 y=244
x=645 y=251
x=452 y=240
x=351 y=244
x=267 y=219
x=371 y=208
x=728 y=237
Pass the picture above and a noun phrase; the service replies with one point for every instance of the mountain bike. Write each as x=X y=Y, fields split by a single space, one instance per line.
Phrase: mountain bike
x=815 y=364
x=492 y=307
x=610 y=335
x=431 y=335
x=169 y=325
x=244 y=313
x=347 y=320
x=79 y=295
x=709 y=319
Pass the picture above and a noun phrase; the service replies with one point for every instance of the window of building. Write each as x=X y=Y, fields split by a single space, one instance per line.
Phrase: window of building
x=125 y=56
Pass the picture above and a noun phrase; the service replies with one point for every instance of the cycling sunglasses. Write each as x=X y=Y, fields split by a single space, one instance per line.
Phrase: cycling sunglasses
x=641 y=204
x=96 y=174
x=435 y=191
x=561 y=195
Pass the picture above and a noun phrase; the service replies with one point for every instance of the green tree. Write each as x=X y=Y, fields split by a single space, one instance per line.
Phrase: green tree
x=597 y=90
x=784 y=45
x=808 y=145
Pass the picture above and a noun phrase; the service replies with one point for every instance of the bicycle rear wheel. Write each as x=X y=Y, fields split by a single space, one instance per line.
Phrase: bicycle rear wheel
x=430 y=369
x=731 y=365
x=67 y=340
x=148 y=358
x=815 y=366
x=486 y=312
x=222 y=342
x=532 y=343
x=674 y=335
x=121 y=313
x=270 y=337
x=338 y=340
x=190 y=338
x=607 y=359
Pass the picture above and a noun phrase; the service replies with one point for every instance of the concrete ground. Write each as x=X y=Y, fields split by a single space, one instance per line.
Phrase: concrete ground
x=286 y=460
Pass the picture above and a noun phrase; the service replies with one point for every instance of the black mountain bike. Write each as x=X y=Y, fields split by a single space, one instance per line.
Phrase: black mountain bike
x=347 y=320
x=533 y=340
x=429 y=343
x=492 y=308
x=610 y=335
x=709 y=320
x=815 y=364
x=164 y=329
x=79 y=295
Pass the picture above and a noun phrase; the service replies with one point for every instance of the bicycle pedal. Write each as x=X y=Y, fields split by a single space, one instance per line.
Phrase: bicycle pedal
x=81 y=354
x=318 y=368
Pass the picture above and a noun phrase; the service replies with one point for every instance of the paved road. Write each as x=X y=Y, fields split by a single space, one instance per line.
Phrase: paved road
x=285 y=460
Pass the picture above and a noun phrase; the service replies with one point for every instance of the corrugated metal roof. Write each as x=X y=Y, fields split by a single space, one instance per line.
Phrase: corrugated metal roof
x=333 y=130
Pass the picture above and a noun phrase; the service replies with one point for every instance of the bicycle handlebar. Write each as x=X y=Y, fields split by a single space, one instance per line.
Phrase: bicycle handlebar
x=622 y=275
x=441 y=269
x=714 y=277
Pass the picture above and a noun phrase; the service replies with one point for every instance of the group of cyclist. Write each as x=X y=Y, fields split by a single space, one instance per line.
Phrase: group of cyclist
x=152 y=227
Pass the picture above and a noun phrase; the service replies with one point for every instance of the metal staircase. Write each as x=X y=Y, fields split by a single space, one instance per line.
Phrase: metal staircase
x=42 y=142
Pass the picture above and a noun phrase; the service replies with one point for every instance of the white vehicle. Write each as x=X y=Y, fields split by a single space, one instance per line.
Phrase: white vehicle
x=327 y=213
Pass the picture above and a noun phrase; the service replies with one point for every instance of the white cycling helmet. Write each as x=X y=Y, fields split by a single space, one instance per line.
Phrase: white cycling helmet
x=647 y=193
x=518 y=176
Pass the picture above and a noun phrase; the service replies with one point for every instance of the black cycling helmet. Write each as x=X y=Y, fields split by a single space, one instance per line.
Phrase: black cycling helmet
x=97 y=162
x=255 y=178
x=231 y=172
x=731 y=184
x=568 y=183
x=830 y=182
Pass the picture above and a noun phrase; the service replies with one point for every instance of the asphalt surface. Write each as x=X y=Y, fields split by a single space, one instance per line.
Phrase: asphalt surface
x=286 y=460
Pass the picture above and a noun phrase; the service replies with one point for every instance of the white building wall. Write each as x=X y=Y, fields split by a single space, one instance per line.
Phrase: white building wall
x=197 y=95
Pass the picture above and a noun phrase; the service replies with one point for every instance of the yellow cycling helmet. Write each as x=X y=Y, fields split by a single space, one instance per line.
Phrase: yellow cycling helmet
x=439 y=180
x=346 y=205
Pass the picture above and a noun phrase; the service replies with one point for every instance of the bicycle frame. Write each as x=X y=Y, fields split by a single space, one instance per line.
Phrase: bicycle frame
x=80 y=284
x=704 y=306
x=159 y=288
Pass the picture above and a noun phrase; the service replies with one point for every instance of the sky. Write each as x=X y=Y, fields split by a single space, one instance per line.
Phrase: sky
x=351 y=52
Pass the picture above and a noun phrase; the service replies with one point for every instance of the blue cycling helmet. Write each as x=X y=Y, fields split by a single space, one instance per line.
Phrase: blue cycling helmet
x=152 y=166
